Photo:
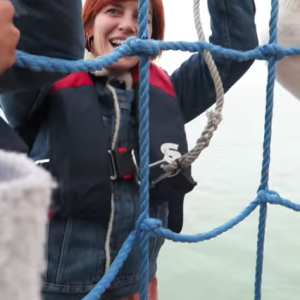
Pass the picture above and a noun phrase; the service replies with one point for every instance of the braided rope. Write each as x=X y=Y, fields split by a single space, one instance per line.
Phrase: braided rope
x=214 y=116
x=144 y=150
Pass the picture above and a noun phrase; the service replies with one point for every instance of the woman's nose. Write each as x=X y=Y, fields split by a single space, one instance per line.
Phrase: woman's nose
x=128 y=25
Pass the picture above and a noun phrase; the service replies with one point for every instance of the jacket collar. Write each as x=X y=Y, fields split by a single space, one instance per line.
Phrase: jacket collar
x=123 y=78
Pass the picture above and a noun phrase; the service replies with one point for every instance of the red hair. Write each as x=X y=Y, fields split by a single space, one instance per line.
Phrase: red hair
x=92 y=7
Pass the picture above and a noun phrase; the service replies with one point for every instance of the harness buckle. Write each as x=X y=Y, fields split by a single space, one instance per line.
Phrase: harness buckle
x=122 y=164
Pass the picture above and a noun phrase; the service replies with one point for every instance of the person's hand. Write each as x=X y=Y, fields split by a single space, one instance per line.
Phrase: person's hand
x=9 y=36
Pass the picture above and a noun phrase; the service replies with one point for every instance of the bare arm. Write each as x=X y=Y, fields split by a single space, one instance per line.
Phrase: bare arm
x=288 y=35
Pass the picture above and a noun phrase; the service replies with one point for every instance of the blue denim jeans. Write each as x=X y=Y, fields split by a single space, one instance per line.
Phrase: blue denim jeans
x=76 y=257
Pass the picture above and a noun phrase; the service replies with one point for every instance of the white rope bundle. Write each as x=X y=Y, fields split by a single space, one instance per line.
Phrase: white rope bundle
x=25 y=192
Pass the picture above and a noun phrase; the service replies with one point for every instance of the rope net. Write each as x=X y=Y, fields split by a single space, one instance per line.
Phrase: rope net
x=146 y=48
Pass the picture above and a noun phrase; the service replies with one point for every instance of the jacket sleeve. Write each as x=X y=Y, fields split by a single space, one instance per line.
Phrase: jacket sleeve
x=233 y=26
x=48 y=28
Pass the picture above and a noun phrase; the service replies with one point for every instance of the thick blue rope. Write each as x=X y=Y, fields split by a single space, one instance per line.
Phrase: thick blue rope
x=144 y=150
x=266 y=154
x=269 y=103
x=146 y=227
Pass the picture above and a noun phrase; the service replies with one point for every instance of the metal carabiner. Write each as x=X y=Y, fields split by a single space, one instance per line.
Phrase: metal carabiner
x=162 y=177
x=159 y=163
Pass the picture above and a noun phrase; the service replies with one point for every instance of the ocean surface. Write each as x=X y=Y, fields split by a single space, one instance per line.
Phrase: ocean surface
x=228 y=175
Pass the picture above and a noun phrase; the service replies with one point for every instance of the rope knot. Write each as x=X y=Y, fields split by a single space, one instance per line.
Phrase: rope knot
x=150 y=225
x=214 y=117
x=272 y=50
x=143 y=47
x=268 y=196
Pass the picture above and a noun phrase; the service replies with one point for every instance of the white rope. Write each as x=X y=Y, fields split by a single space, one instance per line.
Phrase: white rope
x=126 y=78
x=214 y=116
x=112 y=210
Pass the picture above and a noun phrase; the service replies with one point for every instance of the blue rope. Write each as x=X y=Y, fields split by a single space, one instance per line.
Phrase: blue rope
x=146 y=227
x=144 y=150
x=266 y=155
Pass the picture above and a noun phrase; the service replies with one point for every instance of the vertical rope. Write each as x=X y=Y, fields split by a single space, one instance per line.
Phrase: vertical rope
x=266 y=154
x=144 y=149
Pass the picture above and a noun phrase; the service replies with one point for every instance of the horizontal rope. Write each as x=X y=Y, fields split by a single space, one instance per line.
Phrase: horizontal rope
x=129 y=47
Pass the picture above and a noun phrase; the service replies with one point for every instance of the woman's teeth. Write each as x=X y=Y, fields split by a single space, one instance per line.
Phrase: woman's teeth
x=116 y=43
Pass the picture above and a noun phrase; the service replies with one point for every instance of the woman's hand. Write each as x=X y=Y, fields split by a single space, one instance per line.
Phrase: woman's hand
x=9 y=36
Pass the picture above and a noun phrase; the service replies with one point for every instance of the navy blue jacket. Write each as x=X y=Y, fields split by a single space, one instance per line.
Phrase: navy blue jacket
x=77 y=127
x=61 y=35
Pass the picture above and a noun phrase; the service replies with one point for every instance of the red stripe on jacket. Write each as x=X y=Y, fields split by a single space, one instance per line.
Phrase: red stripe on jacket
x=72 y=80
x=157 y=78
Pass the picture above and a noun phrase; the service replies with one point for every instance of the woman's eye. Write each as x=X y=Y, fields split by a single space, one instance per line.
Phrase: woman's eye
x=112 y=11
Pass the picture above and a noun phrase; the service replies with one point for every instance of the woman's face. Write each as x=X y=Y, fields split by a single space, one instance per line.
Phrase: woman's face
x=114 y=24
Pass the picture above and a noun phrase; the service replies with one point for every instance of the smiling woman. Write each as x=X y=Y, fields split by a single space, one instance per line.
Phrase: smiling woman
x=107 y=24
x=71 y=125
